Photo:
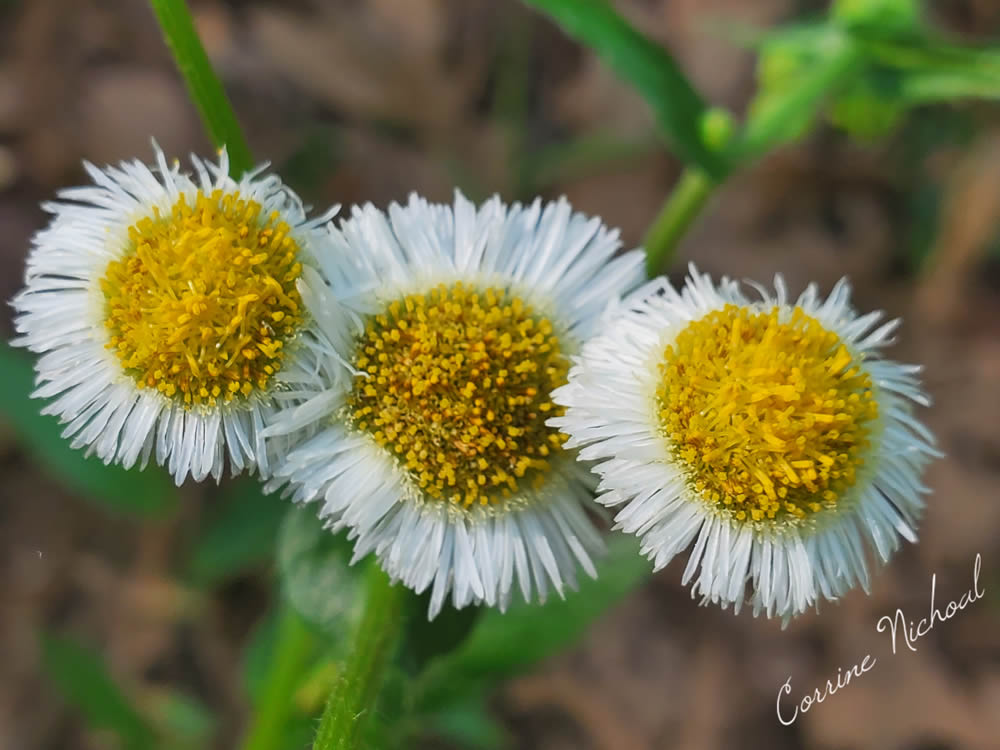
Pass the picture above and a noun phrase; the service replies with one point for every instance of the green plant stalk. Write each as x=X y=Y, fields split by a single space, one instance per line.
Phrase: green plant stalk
x=679 y=210
x=349 y=707
x=765 y=130
x=648 y=67
x=294 y=644
x=202 y=83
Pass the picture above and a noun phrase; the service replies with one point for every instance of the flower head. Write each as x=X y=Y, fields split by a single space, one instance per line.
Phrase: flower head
x=165 y=307
x=769 y=432
x=420 y=425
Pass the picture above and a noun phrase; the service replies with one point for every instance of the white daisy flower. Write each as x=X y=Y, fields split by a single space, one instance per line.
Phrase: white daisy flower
x=770 y=433
x=421 y=427
x=164 y=306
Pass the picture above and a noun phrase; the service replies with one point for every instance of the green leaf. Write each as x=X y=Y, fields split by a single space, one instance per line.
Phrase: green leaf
x=648 y=67
x=316 y=574
x=239 y=533
x=203 y=85
x=467 y=723
x=259 y=662
x=922 y=53
x=894 y=15
x=426 y=640
x=503 y=645
x=506 y=643
x=85 y=683
x=185 y=718
x=258 y=654
x=932 y=86
x=146 y=493
x=280 y=665
x=873 y=106
x=319 y=680
x=797 y=70
x=933 y=130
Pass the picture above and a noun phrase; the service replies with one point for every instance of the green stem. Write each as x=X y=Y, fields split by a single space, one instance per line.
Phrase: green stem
x=648 y=67
x=202 y=83
x=765 y=129
x=350 y=705
x=676 y=215
x=275 y=707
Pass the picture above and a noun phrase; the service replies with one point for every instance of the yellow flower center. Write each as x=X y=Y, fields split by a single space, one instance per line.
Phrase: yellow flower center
x=457 y=386
x=770 y=414
x=204 y=300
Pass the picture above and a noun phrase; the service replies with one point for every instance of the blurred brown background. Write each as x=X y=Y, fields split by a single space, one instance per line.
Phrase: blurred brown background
x=358 y=100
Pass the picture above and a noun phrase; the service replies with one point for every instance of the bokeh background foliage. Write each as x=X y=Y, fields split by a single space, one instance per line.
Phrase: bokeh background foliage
x=138 y=615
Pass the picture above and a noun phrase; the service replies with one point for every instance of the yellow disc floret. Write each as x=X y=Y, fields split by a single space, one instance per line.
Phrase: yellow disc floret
x=769 y=413
x=203 y=302
x=456 y=384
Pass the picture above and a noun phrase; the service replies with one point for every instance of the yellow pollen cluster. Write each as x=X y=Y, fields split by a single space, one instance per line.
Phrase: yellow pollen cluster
x=457 y=387
x=770 y=418
x=202 y=304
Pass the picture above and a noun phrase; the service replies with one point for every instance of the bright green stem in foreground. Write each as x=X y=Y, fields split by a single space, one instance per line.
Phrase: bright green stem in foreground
x=202 y=83
x=351 y=701
x=294 y=644
x=680 y=209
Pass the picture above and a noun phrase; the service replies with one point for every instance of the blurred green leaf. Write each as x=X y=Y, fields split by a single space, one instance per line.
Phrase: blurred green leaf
x=798 y=69
x=925 y=87
x=925 y=213
x=924 y=53
x=258 y=662
x=317 y=683
x=147 y=493
x=894 y=15
x=238 y=533
x=258 y=654
x=648 y=67
x=85 y=683
x=935 y=130
x=467 y=723
x=928 y=68
x=504 y=644
x=316 y=574
x=425 y=640
x=187 y=720
x=276 y=665
x=783 y=52
x=872 y=107
x=396 y=727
